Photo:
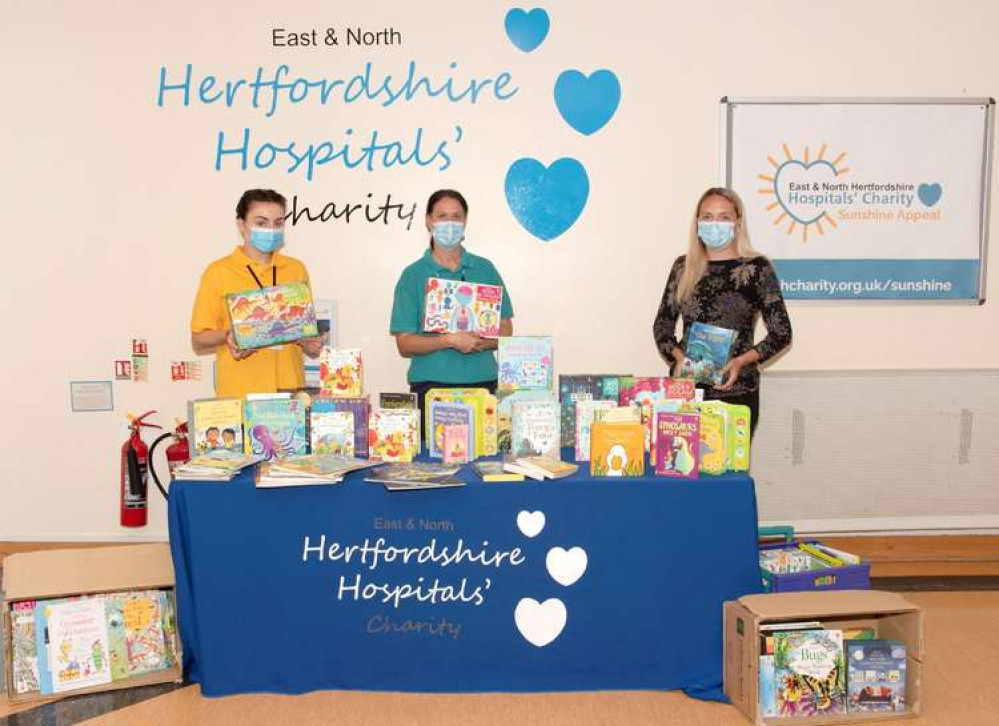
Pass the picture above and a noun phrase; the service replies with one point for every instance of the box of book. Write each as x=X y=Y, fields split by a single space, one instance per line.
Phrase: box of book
x=456 y=306
x=86 y=620
x=810 y=565
x=708 y=350
x=341 y=372
x=787 y=655
x=525 y=362
x=272 y=315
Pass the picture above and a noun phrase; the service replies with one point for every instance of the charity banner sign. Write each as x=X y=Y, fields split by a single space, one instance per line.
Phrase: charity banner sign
x=857 y=199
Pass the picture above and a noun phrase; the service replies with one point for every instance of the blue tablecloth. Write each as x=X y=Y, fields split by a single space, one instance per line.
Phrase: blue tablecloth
x=267 y=602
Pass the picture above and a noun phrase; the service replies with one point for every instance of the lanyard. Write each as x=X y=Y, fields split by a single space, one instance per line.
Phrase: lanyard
x=257 y=279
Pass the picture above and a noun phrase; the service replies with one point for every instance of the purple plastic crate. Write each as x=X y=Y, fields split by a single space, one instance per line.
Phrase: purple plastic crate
x=847 y=577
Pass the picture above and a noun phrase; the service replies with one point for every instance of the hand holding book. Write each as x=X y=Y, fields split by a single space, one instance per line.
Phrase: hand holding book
x=234 y=350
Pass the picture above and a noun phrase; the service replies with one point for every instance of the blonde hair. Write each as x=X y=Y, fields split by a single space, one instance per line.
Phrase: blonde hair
x=696 y=263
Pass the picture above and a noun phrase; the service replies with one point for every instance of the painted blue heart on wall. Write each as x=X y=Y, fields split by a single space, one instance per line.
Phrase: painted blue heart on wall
x=929 y=194
x=587 y=103
x=547 y=201
x=527 y=30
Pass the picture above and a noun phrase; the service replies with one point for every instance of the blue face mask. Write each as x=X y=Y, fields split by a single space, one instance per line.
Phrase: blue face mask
x=448 y=234
x=716 y=235
x=266 y=240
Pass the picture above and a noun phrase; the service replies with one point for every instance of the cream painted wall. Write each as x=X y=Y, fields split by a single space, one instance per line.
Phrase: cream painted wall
x=114 y=206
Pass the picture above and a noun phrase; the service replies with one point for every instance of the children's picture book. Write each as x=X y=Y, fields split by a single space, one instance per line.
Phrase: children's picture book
x=449 y=413
x=684 y=389
x=875 y=675
x=708 y=350
x=713 y=445
x=341 y=372
x=586 y=411
x=525 y=362
x=24 y=647
x=454 y=306
x=272 y=315
x=573 y=388
x=141 y=619
x=215 y=424
x=275 y=427
x=397 y=400
x=360 y=407
x=506 y=399
x=79 y=655
x=332 y=432
x=617 y=448
x=457 y=443
x=326 y=322
x=677 y=445
x=739 y=442
x=768 y=687
x=493 y=471
x=809 y=673
x=486 y=415
x=394 y=434
x=642 y=390
x=534 y=429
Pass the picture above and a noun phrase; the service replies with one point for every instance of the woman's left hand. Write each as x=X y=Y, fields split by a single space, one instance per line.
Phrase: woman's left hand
x=731 y=372
x=312 y=346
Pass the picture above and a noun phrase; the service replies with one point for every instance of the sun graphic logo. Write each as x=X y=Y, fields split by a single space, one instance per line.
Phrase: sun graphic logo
x=802 y=192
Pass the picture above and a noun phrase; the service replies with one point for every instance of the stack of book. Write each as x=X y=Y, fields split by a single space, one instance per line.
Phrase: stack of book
x=416 y=475
x=216 y=466
x=308 y=469
x=540 y=467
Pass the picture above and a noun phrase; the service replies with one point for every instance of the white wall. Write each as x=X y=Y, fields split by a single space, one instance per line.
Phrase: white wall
x=114 y=206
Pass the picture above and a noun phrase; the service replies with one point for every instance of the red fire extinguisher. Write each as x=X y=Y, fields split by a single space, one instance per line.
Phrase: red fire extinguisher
x=134 y=467
x=177 y=453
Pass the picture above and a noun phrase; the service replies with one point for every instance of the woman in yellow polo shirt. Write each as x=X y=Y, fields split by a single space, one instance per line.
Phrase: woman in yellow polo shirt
x=260 y=216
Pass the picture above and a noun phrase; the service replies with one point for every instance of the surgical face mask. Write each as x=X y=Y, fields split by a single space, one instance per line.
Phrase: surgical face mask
x=448 y=234
x=266 y=240
x=716 y=235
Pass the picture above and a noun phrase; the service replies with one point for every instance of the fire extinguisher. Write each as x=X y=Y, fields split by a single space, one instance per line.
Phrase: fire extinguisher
x=177 y=453
x=134 y=466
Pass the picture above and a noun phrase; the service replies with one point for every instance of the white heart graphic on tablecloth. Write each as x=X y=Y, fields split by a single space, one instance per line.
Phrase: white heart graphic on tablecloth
x=566 y=566
x=540 y=622
x=531 y=523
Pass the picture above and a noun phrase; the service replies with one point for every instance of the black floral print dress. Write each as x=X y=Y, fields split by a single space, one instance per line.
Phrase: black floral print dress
x=731 y=294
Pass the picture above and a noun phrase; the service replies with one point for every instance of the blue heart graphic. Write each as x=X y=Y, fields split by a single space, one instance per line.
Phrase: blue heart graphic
x=806 y=167
x=587 y=103
x=929 y=194
x=547 y=202
x=527 y=30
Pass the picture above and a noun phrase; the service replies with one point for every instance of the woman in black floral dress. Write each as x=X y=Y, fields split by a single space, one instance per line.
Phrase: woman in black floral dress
x=723 y=281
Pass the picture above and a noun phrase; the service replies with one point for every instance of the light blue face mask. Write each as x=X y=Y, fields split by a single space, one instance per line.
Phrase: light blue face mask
x=716 y=235
x=266 y=240
x=448 y=234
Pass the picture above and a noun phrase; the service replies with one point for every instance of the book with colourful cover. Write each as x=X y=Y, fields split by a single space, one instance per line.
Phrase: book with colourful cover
x=215 y=423
x=493 y=471
x=457 y=443
x=397 y=400
x=23 y=647
x=573 y=388
x=875 y=676
x=617 y=448
x=534 y=429
x=684 y=389
x=739 y=440
x=360 y=407
x=708 y=350
x=644 y=392
x=272 y=315
x=525 y=362
x=275 y=427
x=809 y=673
x=455 y=306
x=341 y=372
x=586 y=411
x=79 y=655
x=145 y=637
x=677 y=445
x=394 y=434
x=713 y=444
x=505 y=401
x=332 y=432
x=449 y=413
x=486 y=415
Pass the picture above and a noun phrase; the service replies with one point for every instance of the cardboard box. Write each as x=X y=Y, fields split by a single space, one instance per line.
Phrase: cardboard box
x=65 y=573
x=891 y=615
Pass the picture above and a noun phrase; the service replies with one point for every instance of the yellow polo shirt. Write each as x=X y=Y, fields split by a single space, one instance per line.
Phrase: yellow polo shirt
x=268 y=369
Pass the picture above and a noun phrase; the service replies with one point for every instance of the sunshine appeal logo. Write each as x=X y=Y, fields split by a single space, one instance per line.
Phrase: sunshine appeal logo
x=805 y=193
x=548 y=199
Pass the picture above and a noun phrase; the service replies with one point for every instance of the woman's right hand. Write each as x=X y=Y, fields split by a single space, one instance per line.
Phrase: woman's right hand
x=234 y=351
x=680 y=359
x=463 y=342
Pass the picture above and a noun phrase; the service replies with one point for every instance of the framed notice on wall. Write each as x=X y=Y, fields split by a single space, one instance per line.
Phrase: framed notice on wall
x=865 y=199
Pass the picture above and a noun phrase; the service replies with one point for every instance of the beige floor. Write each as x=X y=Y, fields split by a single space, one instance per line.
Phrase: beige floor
x=962 y=634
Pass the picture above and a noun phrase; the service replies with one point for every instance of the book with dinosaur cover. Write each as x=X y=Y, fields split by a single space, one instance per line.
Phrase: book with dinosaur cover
x=455 y=306
x=341 y=372
x=275 y=427
x=525 y=362
x=215 y=423
x=272 y=315
x=708 y=350
x=677 y=445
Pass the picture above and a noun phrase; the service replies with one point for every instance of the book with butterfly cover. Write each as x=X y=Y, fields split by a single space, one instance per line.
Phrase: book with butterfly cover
x=360 y=407
x=708 y=350
x=809 y=673
x=457 y=306
x=275 y=427
x=577 y=387
x=272 y=315
x=341 y=372
x=525 y=362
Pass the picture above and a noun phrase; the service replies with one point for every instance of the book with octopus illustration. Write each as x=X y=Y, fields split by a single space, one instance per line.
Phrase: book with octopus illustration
x=275 y=427
x=455 y=306
x=272 y=315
